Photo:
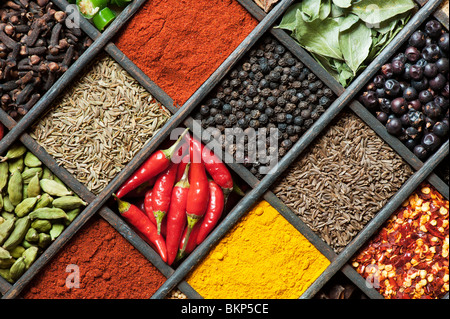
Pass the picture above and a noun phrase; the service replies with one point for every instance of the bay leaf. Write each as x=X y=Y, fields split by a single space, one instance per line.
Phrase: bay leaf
x=374 y=12
x=289 y=20
x=345 y=74
x=325 y=9
x=343 y=3
x=355 y=44
x=348 y=21
x=336 y=11
x=310 y=10
x=321 y=37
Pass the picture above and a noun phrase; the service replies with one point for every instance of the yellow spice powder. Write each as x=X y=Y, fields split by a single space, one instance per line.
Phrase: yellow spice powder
x=262 y=257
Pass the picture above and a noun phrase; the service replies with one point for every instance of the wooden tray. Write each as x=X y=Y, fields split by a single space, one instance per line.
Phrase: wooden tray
x=259 y=189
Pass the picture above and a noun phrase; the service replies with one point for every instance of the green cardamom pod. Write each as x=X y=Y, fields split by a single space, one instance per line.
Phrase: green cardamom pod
x=16 y=164
x=71 y=215
x=6 y=228
x=41 y=225
x=47 y=213
x=17 y=251
x=24 y=192
x=29 y=173
x=18 y=234
x=7 y=205
x=30 y=256
x=68 y=202
x=54 y=188
x=1 y=201
x=26 y=244
x=15 y=151
x=45 y=201
x=31 y=160
x=6 y=263
x=32 y=235
x=5 y=274
x=4 y=254
x=44 y=240
x=17 y=269
x=46 y=173
x=25 y=206
x=15 y=186
x=56 y=230
x=6 y=215
x=4 y=174
x=34 y=188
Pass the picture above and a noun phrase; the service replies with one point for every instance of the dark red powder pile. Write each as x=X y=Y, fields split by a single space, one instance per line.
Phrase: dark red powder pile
x=109 y=267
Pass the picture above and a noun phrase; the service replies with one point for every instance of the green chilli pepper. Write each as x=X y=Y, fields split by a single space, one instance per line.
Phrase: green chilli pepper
x=89 y=8
x=121 y=3
x=103 y=18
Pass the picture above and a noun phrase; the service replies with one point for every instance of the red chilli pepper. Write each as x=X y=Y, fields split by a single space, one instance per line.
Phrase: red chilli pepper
x=149 y=207
x=176 y=217
x=142 y=189
x=2 y=131
x=140 y=221
x=182 y=167
x=215 y=208
x=198 y=197
x=155 y=164
x=162 y=192
x=190 y=243
x=215 y=167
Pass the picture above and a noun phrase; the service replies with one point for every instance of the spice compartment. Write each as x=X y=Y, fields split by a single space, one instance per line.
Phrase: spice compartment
x=251 y=198
x=97 y=45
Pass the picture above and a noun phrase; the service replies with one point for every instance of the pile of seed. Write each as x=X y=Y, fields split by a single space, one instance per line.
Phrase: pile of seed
x=342 y=180
x=269 y=88
x=100 y=124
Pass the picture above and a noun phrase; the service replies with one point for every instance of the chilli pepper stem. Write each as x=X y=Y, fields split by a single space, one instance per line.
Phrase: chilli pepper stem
x=191 y=221
x=171 y=150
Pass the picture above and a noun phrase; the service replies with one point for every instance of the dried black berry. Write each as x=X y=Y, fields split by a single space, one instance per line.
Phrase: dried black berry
x=431 y=142
x=433 y=28
x=442 y=65
x=430 y=70
x=369 y=99
x=410 y=93
x=431 y=53
x=416 y=72
x=438 y=82
x=432 y=110
x=392 y=87
x=412 y=54
x=426 y=96
x=440 y=129
x=420 y=152
x=387 y=70
x=398 y=106
x=382 y=117
x=394 y=126
x=443 y=42
x=417 y=39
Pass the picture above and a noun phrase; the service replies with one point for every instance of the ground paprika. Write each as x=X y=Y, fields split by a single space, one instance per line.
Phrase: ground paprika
x=109 y=268
x=179 y=46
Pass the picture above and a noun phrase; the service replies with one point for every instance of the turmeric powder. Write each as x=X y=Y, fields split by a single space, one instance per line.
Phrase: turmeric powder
x=262 y=257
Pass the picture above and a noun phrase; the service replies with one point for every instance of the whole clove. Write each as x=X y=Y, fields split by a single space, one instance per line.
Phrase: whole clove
x=36 y=48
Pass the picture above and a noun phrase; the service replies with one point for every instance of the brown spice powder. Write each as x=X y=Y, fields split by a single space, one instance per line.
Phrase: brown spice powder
x=109 y=266
x=342 y=180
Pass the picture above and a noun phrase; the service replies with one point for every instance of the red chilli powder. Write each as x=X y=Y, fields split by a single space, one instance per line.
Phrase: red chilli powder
x=109 y=268
x=180 y=43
